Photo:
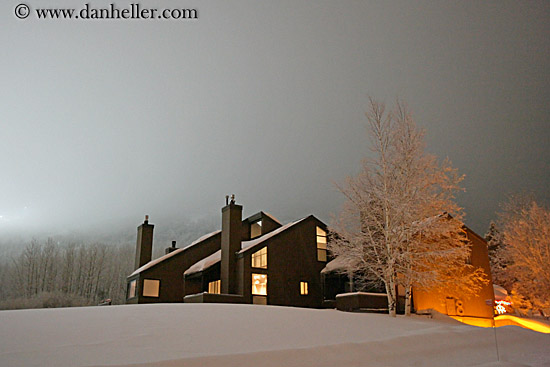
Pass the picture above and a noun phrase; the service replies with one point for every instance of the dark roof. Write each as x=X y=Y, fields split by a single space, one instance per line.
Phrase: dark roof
x=216 y=257
x=152 y=263
x=259 y=216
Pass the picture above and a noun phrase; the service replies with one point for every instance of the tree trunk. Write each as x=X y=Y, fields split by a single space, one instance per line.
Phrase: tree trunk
x=408 y=294
x=390 y=291
x=350 y=277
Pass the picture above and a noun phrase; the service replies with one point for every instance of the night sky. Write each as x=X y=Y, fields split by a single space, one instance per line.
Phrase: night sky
x=105 y=121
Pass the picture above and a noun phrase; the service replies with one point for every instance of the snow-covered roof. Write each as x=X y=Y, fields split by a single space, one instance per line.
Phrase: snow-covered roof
x=501 y=294
x=206 y=236
x=173 y=253
x=337 y=264
x=205 y=263
x=341 y=295
x=245 y=245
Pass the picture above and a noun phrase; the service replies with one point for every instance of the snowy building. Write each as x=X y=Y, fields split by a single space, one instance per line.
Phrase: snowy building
x=449 y=301
x=445 y=299
x=255 y=260
x=258 y=260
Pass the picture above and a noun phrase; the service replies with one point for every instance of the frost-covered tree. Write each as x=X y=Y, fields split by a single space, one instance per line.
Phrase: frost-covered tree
x=391 y=228
x=526 y=229
x=499 y=262
x=494 y=238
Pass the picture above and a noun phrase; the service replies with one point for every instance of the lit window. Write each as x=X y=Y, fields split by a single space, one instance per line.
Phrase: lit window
x=151 y=287
x=132 y=289
x=259 y=259
x=321 y=245
x=214 y=287
x=256 y=229
x=259 y=284
x=304 y=288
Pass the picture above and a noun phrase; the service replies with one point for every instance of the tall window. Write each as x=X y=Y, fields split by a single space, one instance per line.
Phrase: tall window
x=132 y=289
x=256 y=229
x=321 y=245
x=304 y=291
x=214 y=287
x=259 y=284
x=151 y=287
x=259 y=259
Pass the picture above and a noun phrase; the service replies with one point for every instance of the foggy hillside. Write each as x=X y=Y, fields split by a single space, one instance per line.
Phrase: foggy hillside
x=184 y=231
x=81 y=268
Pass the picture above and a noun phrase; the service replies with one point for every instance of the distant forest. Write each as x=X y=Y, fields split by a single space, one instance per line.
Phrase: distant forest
x=60 y=275
x=68 y=271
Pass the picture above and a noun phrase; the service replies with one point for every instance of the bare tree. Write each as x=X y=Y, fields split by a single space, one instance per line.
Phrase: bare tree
x=497 y=248
x=28 y=268
x=391 y=228
x=67 y=272
x=526 y=229
x=55 y=275
x=48 y=261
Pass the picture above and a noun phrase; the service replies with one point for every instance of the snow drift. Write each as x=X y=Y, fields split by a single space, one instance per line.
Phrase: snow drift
x=241 y=335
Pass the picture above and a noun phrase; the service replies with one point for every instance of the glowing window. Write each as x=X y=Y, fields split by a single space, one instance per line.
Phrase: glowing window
x=214 y=287
x=132 y=289
x=259 y=259
x=151 y=287
x=259 y=284
x=321 y=245
x=256 y=229
x=304 y=288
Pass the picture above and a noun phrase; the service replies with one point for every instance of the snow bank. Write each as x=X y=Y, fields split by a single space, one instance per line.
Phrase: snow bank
x=241 y=335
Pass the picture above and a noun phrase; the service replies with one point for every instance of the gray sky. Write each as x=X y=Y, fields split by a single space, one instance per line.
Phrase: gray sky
x=105 y=121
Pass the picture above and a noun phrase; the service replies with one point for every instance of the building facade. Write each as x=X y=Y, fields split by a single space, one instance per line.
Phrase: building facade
x=255 y=260
x=445 y=299
x=258 y=260
x=450 y=301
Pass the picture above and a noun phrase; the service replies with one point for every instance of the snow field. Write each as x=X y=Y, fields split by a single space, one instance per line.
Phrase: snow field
x=242 y=335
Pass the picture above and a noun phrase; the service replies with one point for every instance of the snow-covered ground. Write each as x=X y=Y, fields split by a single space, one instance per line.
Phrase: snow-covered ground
x=248 y=335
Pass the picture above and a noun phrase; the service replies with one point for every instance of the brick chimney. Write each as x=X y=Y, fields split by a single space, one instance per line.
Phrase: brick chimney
x=170 y=249
x=144 y=244
x=231 y=244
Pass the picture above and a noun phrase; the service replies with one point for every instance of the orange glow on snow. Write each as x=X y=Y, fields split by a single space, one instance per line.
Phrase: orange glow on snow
x=503 y=320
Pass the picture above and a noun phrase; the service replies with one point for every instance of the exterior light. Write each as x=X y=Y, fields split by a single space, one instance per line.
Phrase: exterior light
x=500 y=306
